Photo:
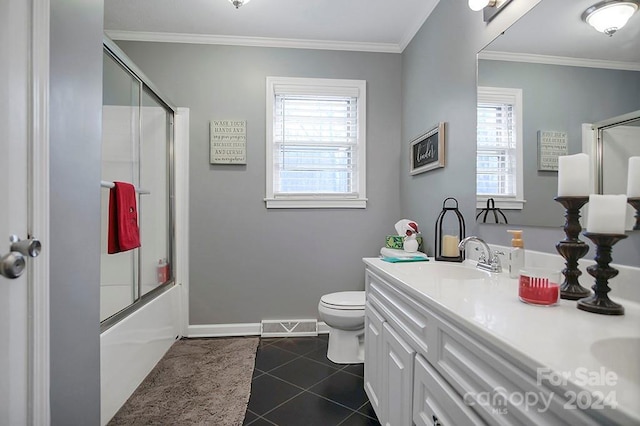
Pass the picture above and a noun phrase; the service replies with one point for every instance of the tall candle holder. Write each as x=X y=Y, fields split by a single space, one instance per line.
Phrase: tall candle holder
x=635 y=203
x=599 y=302
x=572 y=249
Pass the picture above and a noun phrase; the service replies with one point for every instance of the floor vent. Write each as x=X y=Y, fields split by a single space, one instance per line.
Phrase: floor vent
x=289 y=328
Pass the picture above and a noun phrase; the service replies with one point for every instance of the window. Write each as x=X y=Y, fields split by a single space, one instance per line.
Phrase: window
x=315 y=143
x=499 y=148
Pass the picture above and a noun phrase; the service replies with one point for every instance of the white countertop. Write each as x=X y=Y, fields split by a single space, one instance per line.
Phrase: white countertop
x=600 y=353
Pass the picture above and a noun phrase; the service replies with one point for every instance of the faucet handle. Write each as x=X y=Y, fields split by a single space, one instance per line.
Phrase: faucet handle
x=495 y=260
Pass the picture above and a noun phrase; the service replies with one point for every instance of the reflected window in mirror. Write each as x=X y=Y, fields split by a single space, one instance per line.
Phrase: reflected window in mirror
x=499 y=147
x=569 y=75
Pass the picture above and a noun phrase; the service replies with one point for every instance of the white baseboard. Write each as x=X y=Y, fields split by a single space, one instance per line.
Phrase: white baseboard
x=234 y=330
x=323 y=328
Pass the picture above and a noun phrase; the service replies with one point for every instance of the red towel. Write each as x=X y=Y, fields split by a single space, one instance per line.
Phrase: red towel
x=123 y=218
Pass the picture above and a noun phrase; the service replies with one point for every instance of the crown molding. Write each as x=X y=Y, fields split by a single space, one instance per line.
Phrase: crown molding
x=161 y=37
x=491 y=55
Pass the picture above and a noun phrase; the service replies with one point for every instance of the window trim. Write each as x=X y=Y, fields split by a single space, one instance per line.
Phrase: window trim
x=487 y=94
x=316 y=86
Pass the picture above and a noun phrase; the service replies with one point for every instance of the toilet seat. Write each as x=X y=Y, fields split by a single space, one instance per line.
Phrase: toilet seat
x=344 y=300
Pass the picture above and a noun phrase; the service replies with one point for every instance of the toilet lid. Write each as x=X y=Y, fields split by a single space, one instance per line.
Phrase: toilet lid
x=344 y=300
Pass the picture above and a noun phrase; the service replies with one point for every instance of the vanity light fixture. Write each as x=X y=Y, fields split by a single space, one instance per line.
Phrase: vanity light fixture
x=238 y=3
x=490 y=8
x=610 y=15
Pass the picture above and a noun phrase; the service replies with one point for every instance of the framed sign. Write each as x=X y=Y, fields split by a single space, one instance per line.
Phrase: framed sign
x=228 y=142
x=551 y=145
x=427 y=150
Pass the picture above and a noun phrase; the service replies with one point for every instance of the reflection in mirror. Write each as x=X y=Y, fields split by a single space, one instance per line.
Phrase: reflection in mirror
x=569 y=74
x=617 y=139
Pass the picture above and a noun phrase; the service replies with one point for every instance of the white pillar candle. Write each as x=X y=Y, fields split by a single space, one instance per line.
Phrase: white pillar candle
x=606 y=214
x=450 y=246
x=633 y=181
x=573 y=175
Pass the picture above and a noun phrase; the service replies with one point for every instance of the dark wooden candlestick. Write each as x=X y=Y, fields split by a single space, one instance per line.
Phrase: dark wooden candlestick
x=599 y=302
x=635 y=203
x=572 y=249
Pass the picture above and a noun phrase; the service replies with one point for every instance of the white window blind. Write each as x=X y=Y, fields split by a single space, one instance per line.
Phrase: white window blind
x=499 y=146
x=316 y=144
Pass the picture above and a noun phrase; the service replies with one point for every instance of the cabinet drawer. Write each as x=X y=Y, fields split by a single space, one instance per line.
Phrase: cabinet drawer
x=408 y=318
x=494 y=388
x=435 y=402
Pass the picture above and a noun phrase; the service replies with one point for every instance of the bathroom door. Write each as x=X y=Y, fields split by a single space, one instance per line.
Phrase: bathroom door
x=23 y=133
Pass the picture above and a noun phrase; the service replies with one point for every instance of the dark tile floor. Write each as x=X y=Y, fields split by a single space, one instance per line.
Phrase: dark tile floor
x=294 y=384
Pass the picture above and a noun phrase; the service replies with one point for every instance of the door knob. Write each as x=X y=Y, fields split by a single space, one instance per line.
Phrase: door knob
x=30 y=247
x=12 y=265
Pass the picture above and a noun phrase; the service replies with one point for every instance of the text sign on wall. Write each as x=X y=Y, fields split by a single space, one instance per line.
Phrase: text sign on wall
x=551 y=145
x=228 y=142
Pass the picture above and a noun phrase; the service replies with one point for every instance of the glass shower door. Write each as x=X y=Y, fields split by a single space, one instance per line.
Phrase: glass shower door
x=137 y=140
x=120 y=162
x=155 y=253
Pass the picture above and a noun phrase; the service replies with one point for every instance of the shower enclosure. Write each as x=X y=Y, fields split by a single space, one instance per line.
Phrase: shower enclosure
x=143 y=292
x=137 y=147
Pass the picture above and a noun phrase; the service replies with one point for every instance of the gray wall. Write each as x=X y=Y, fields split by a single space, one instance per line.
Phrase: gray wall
x=558 y=98
x=439 y=84
x=249 y=263
x=75 y=137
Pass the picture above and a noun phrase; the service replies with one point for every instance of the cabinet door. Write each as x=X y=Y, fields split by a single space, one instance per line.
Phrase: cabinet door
x=435 y=402
x=373 y=352
x=397 y=378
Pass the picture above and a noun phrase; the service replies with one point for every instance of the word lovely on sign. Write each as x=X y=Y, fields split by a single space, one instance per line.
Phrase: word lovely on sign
x=427 y=150
x=228 y=142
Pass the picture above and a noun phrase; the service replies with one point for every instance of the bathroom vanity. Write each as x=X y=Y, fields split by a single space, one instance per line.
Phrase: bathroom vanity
x=448 y=344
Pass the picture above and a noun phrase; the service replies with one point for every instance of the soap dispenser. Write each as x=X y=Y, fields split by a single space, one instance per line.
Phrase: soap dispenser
x=516 y=254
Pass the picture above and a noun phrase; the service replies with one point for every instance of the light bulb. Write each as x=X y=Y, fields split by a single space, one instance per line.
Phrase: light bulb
x=477 y=5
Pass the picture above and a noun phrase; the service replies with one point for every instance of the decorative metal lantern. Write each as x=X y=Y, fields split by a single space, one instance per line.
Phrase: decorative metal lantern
x=449 y=232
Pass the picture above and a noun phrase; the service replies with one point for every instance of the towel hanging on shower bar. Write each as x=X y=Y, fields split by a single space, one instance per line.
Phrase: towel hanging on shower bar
x=107 y=184
x=124 y=233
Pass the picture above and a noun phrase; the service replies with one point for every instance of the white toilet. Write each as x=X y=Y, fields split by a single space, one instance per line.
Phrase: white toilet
x=343 y=312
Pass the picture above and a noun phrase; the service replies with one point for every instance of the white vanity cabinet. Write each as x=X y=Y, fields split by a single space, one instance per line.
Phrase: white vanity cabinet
x=424 y=368
x=388 y=370
x=397 y=378
x=373 y=348
x=435 y=402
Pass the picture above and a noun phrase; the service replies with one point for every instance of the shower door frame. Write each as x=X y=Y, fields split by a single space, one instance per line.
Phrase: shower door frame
x=141 y=300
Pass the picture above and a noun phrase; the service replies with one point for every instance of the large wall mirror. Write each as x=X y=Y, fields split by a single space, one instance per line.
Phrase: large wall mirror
x=569 y=75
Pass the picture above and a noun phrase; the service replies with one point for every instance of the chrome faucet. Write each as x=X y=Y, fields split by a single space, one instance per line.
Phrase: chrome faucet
x=489 y=261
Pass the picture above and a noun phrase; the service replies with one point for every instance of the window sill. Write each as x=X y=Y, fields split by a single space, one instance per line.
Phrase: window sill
x=503 y=204
x=315 y=203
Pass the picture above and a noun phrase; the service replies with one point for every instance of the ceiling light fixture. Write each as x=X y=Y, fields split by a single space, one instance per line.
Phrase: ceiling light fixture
x=490 y=8
x=238 y=3
x=611 y=15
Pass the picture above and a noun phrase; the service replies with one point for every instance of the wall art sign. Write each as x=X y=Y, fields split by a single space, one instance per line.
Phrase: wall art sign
x=551 y=145
x=228 y=142
x=427 y=150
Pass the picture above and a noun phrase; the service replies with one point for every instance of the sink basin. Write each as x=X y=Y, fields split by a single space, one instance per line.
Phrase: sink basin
x=620 y=355
x=443 y=271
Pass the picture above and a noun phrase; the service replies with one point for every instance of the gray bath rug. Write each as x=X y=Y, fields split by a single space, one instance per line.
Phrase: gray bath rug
x=197 y=382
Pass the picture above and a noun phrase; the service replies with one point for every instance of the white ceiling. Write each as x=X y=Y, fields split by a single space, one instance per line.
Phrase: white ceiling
x=553 y=27
x=370 y=25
